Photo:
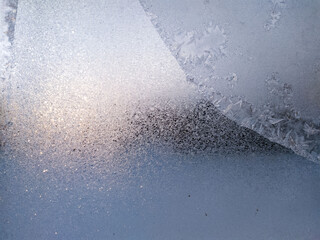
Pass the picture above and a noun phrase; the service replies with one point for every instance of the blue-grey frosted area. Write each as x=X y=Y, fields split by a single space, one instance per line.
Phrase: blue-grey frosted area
x=162 y=195
x=257 y=61
x=104 y=135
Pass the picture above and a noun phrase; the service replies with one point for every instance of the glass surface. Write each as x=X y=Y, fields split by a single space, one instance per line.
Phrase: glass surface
x=257 y=61
x=104 y=135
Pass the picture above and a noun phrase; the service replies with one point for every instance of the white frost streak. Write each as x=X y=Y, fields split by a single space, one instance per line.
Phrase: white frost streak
x=275 y=15
x=4 y=40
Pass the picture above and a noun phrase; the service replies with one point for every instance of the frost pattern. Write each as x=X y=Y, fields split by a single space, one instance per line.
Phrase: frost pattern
x=92 y=158
x=232 y=80
x=277 y=120
x=195 y=47
x=275 y=15
x=196 y=51
x=8 y=10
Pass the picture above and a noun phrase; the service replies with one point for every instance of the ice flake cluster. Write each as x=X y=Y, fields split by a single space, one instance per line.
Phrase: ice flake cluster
x=204 y=49
x=205 y=53
x=195 y=47
x=275 y=14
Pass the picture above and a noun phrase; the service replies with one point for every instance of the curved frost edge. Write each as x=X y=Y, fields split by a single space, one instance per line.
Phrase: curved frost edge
x=279 y=122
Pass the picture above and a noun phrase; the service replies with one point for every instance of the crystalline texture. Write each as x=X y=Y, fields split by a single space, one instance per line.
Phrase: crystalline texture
x=262 y=53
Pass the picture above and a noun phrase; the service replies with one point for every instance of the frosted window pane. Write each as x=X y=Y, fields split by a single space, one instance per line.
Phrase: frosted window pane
x=106 y=134
x=258 y=61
